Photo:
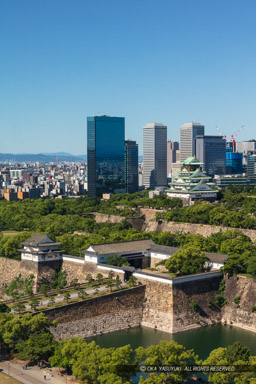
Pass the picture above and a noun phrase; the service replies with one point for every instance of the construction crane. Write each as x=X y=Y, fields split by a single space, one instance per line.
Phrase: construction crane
x=233 y=137
x=221 y=134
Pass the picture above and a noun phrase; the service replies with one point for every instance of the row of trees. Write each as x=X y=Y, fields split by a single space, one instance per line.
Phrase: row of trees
x=68 y=215
x=29 y=338
x=65 y=216
x=207 y=213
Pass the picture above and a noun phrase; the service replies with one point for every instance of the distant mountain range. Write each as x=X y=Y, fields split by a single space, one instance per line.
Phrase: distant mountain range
x=43 y=157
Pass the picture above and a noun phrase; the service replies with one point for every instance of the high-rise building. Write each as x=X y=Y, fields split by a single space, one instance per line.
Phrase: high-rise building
x=154 y=155
x=105 y=154
x=172 y=148
x=245 y=147
x=251 y=164
x=234 y=161
x=131 y=166
x=188 y=133
x=211 y=150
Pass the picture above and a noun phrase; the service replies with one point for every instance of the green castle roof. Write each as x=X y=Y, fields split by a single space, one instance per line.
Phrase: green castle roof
x=191 y=161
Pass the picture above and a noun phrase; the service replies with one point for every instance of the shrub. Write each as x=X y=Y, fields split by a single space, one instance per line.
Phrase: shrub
x=237 y=300
x=220 y=300
x=193 y=305
x=209 y=303
x=222 y=286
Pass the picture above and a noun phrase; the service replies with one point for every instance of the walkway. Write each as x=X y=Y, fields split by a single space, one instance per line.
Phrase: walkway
x=26 y=377
x=35 y=375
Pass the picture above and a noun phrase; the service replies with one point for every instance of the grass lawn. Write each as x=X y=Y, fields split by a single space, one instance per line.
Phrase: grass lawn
x=5 y=379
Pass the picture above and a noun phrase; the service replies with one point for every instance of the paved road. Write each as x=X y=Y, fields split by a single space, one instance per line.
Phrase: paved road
x=24 y=376
x=60 y=298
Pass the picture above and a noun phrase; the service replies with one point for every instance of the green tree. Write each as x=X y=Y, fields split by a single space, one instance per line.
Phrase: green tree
x=18 y=307
x=99 y=278
x=59 y=280
x=34 y=303
x=51 y=301
x=37 y=347
x=17 y=329
x=251 y=267
x=89 y=278
x=4 y=308
x=117 y=260
x=110 y=283
x=75 y=283
x=186 y=261
x=82 y=294
x=111 y=275
x=163 y=354
x=99 y=365
x=118 y=282
x=66 y=297
x=132 y=281
x=235 y=354
x=44 y=289
x=237 y=351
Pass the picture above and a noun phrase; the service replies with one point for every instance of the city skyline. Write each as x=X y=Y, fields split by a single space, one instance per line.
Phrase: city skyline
x=61 y=62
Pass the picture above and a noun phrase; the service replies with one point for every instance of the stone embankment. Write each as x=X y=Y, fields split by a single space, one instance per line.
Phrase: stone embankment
x=136 y=222
x=9 y=269
x=149 y=224
x=242 y=313
x=103 y=314
x=168 y=302
x=197 y=229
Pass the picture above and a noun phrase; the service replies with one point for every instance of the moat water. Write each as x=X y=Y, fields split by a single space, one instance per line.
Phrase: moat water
x=202 y=340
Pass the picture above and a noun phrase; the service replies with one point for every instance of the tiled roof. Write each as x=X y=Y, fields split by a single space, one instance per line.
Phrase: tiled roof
x=216 y=257
x=167 y=250
x=125 y=246
x=37 y=240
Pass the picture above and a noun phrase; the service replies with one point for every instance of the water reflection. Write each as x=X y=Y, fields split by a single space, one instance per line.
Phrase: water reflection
x=202 y=340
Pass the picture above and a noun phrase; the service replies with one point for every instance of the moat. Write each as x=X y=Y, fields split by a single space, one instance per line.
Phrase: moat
x=202 y=340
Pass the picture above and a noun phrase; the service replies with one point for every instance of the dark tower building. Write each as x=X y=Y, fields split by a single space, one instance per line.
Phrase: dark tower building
x=211 y=150
x=131 y=166
x=105 y=154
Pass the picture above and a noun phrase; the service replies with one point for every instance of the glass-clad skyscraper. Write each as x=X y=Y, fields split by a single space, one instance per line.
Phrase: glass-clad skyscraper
x=105 y=154
x=131 y=166
x=211 y=150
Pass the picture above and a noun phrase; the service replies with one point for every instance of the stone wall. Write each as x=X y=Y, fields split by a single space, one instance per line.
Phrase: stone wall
x=103 y=218
x=149 y=224
x=74 y=271
x=80 y=271
x=198 y=229
x=184 y=317
x=9 y=269
x=112 y=312
x=157 y=311
x=240 y=315
x=136 y=222
x=168 y=305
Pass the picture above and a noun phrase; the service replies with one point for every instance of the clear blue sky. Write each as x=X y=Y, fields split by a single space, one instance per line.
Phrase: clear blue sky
x=147 y=60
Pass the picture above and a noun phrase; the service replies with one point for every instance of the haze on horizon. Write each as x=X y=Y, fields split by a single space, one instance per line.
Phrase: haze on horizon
x=170 y=62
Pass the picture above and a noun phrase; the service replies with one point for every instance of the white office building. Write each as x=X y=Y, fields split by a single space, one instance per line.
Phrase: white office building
x=188 y=133
x=154 y=155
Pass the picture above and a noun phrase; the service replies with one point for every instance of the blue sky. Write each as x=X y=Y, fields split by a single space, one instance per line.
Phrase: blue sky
x=150 y=61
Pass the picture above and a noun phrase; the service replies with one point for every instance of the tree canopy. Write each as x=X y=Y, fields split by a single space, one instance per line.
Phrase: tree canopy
x=186 y=261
